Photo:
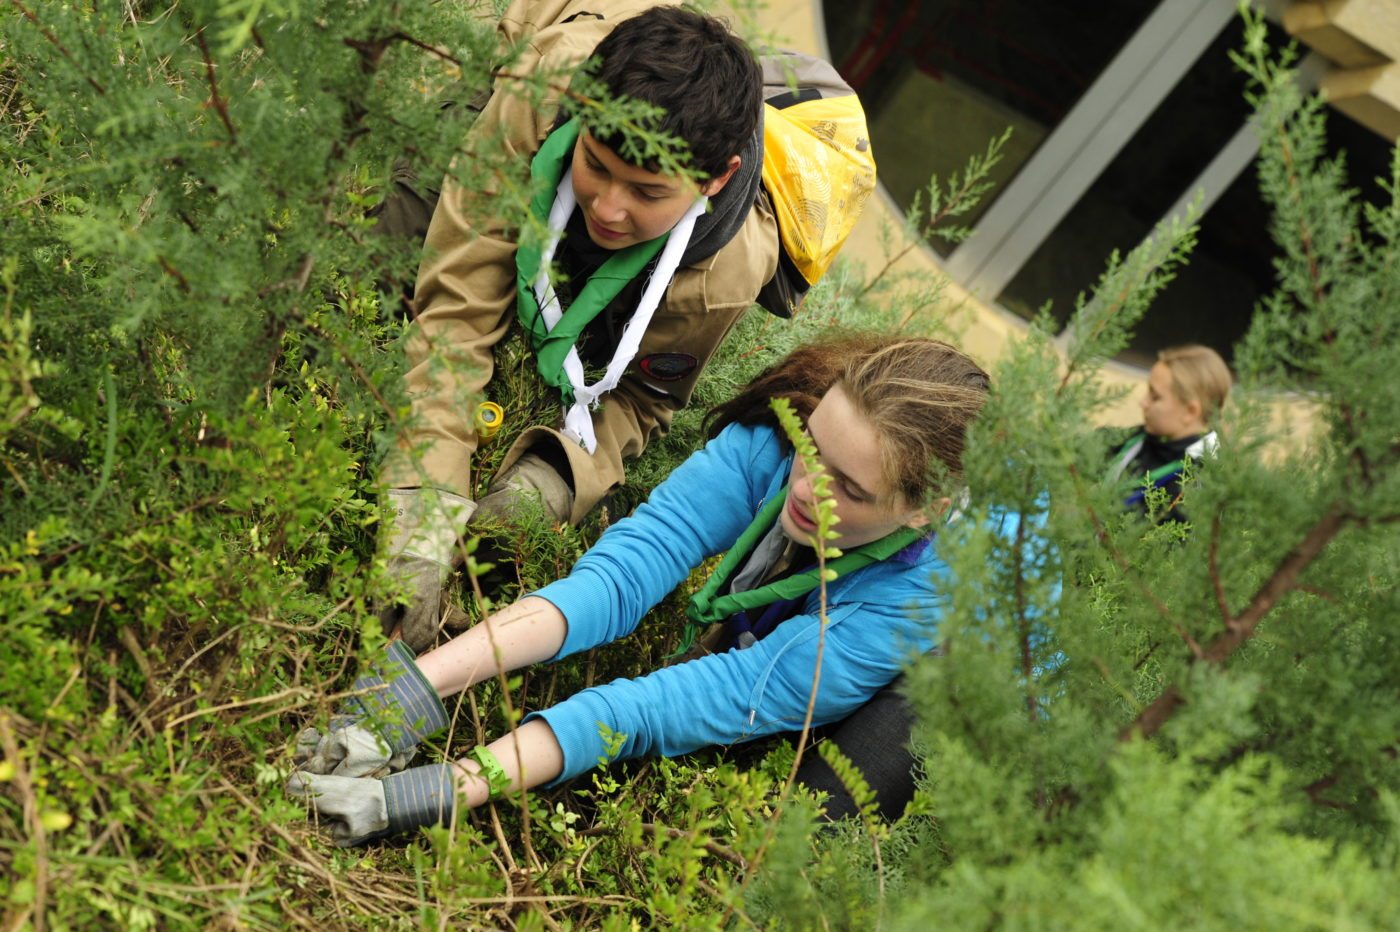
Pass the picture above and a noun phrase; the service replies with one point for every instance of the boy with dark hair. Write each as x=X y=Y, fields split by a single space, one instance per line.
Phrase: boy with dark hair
x=657 y=268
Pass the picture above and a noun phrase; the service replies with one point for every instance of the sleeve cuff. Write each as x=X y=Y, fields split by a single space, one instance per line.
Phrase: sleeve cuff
x=576 y=723
x=407 y=699
x=419 y=797
x=585 y=604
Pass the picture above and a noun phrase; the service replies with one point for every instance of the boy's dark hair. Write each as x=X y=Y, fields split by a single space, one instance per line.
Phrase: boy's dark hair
x=693 y=67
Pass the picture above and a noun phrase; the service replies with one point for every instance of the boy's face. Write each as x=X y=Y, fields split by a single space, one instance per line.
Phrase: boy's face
x=623 y=204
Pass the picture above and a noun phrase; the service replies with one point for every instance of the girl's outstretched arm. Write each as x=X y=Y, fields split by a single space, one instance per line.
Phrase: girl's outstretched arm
x=524 y=632
x=529 y=756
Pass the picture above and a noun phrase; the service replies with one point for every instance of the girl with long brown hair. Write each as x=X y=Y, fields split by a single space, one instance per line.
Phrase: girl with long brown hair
x=888 y=417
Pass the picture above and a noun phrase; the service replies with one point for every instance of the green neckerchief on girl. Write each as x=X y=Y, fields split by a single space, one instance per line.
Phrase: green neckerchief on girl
x=1160 y=472
x=706 y=607
x=552 y=346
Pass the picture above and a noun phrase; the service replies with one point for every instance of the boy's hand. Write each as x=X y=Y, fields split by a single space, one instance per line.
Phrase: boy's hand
x=421 y=618
x=531 y=476
x=427 y=525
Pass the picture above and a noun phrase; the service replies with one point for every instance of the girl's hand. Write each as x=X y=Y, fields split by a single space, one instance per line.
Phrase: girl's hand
x=348 y=749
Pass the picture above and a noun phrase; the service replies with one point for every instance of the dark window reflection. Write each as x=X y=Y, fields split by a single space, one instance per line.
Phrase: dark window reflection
x=941 y=78
x=1214 y=296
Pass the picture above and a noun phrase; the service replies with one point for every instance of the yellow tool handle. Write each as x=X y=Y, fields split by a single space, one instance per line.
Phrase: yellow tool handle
x=488 y=419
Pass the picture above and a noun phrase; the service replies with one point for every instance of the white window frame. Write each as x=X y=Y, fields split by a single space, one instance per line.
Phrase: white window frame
x=1164 y=48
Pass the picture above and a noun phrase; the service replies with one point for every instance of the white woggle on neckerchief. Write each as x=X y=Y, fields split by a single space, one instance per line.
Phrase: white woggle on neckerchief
x=578 y=423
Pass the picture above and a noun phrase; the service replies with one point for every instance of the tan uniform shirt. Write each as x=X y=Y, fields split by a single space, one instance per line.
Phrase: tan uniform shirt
x=467 y=280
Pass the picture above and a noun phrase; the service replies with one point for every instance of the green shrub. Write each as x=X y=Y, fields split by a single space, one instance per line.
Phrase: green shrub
x=199 y=376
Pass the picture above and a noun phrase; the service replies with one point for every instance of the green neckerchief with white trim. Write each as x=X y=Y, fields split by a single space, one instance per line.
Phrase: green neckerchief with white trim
x=551 y=347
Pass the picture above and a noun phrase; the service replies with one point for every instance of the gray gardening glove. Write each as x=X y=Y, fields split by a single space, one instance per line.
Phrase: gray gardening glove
x=377 y=731
x=426 y=525
x=529 y=476
x=347 y=749
x=359 y=810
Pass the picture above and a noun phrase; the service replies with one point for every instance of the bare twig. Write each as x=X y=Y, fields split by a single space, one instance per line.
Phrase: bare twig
x=32 y=819
x=215 y=98
x=127 y=636
x=295 y=692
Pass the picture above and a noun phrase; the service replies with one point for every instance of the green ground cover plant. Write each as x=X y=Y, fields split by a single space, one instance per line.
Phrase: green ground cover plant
x=1128 y=725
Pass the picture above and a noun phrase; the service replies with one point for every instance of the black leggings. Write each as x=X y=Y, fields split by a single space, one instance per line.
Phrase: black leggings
x=876 y=739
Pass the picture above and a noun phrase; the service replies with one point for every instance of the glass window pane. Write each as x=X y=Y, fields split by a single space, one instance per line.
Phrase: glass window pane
x=940 y=78
x=1212 y=298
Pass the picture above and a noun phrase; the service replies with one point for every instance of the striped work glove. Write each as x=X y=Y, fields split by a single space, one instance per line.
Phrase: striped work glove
x=359 y=810
x=378 y=730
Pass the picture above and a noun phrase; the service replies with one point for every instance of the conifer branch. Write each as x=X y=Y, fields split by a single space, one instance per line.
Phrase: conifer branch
x=1154 y=716
x=1023 y=623
x=1305 y=238
x=53 y=39
x=1242 y=627
x=1120 y=301
x=174 y=273
x=1283 y=580
x=372 y=50
x=1314 y=591
x=220 y=105
x=1315 y=789
x=1101 y=533
x=1213 y=558
x=1147 y=655
x=961 y=197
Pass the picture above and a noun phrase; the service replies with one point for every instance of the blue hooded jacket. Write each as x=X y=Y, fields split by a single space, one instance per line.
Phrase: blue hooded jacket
x=879 y=618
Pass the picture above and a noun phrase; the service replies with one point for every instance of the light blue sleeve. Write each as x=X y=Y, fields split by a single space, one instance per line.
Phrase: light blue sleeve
x=726 y=698
x=697 y=512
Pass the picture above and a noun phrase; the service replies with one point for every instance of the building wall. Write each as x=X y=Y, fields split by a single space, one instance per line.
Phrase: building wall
x=985 y=329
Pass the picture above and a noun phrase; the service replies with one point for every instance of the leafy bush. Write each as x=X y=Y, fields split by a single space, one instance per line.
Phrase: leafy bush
x=1136 y=726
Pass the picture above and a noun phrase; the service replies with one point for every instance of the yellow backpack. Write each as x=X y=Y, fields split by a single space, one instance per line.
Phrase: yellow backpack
x=818 y=169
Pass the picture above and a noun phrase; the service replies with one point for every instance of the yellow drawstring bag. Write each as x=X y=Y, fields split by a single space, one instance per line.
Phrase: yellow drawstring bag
x=819 y=170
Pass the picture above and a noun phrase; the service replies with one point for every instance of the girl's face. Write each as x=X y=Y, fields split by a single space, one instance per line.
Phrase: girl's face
x=1163 y=413
x=623 y=204
x=850 y=450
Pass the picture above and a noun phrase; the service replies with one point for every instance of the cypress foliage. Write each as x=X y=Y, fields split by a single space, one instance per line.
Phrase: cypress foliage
x=1140 y=726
